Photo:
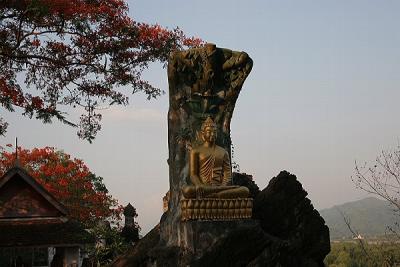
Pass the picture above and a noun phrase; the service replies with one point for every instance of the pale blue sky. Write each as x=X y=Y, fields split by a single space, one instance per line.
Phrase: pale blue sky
x=323 y=92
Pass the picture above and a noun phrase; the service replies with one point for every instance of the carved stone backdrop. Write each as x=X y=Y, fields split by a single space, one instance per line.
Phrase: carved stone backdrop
x=203 y=82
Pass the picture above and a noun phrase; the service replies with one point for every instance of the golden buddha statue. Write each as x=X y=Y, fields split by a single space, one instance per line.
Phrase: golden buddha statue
x=210 y=169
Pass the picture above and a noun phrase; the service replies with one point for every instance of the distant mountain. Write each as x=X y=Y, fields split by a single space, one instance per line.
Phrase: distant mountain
x=368 y=217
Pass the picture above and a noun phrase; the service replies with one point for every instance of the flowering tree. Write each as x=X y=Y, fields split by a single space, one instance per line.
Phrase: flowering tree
x=76 y=53
x=69 y=180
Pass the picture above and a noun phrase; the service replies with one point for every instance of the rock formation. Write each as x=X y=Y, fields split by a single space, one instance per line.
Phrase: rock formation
x=285 y=212
x=209 y=219
x=287 y=232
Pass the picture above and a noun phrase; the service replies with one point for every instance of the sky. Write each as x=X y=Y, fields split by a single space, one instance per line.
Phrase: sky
x=323 y=93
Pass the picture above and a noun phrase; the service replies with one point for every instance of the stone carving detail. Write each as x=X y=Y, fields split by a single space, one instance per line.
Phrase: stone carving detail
x=203 y=82
x=215 y=209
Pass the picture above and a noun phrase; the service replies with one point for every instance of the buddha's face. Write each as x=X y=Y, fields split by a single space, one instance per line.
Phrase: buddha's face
x=210 y=134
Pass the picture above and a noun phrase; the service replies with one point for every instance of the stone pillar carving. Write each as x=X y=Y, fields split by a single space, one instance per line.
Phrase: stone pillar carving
x=203 y=82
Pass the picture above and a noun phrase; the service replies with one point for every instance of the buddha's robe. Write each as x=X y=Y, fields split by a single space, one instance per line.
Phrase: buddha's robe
x=214 y=167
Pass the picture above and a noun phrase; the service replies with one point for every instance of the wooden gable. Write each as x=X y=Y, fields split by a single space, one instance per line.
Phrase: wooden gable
x=22 y=197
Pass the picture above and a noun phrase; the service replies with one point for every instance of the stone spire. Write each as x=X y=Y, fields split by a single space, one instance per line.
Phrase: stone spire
x=129 y=213
x=130 y=231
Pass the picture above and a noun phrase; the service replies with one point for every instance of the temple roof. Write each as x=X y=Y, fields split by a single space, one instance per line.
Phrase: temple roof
x=18 y=172
x=31 y=216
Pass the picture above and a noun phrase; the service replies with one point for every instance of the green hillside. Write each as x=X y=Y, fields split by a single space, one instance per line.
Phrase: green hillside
x=368 y=217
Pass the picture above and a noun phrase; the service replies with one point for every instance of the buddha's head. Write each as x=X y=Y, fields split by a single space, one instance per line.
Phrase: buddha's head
x=209 y=131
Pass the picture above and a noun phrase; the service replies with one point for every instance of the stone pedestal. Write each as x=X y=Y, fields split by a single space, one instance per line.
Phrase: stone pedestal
x=199 y=236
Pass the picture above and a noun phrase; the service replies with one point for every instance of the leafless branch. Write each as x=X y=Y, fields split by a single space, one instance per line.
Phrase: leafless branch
x=354 y=233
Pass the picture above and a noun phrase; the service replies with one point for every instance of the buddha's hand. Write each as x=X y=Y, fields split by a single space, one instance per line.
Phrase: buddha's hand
x=199 y=191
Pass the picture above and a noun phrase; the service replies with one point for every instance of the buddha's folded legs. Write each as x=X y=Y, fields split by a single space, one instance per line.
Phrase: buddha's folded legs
x=216 y=191
x=238 y=192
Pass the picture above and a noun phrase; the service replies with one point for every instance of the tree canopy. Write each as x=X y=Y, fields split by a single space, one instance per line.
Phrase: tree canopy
x=68 y=179
x=79 y=53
